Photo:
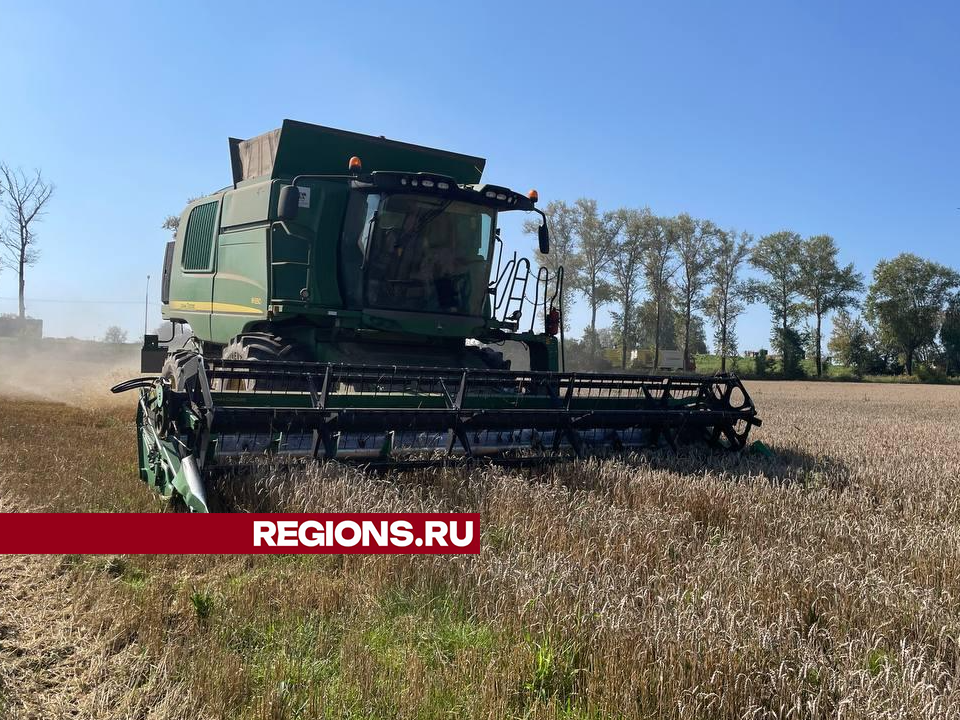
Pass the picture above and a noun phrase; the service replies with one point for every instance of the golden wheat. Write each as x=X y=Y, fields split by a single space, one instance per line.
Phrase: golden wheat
x=823 y=582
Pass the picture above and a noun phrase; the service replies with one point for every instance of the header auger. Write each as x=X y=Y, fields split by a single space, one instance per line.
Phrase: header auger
x=338 y=314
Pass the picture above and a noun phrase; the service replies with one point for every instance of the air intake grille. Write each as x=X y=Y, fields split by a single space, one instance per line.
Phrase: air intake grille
x=198 y=241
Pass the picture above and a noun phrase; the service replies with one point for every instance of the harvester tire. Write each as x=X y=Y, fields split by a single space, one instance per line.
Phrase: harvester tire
x=176 y=504
x=264 y=347
x=173 y=367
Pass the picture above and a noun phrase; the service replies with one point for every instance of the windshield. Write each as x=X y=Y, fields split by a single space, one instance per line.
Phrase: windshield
x=426 y=254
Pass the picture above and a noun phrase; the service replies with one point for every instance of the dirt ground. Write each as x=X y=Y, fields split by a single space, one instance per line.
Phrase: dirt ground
x=75 y=372
x=53 y=665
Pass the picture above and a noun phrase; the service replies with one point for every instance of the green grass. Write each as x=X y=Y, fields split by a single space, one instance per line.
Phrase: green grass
x=296 y=661
x=554 y=674
x=121 y=568
x=323 y=665
x=435 y=629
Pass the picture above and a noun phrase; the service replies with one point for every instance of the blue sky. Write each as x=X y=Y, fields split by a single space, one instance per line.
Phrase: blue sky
x=837 y=118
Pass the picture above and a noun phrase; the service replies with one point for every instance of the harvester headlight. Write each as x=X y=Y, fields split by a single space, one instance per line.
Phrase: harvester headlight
x=443 y=186
x=490 y=194
x=403 y=181
x=427 y=183
x=501 y=196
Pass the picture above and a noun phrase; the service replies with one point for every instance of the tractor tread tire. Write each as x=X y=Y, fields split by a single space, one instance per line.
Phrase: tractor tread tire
x=265 y=347
x=173 y=366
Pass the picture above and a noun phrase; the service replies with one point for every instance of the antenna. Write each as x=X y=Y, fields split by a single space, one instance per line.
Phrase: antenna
x=146 y=308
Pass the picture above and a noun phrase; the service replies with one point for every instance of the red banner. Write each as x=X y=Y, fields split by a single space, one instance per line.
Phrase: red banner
x=162 y=533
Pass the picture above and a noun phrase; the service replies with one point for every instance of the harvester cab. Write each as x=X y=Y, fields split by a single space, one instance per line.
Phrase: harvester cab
x=347 y=248
x=345 y=296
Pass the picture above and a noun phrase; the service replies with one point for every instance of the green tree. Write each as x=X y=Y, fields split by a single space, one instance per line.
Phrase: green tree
x=852 y=344
x=647 y=321
x=950 y=335
x=626 y=275
x=561 y=222
x=825 y=286
x=579 y=354
x=692 y=333
x=791 y=343
x=725 y=303
x=695 y=241
x=906 y=302
x=659 y=265
x=597 y=235
x=778 y=257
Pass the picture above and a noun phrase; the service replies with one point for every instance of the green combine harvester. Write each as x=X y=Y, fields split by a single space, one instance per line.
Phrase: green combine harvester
x=345 y=298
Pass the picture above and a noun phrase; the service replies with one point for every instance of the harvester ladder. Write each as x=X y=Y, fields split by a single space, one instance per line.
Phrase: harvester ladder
x=518 y=279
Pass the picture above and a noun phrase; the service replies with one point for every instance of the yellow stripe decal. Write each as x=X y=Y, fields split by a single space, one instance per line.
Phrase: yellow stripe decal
x=240 y=279
x=189 y=306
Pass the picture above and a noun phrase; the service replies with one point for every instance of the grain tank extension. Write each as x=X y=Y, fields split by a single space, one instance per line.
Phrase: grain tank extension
x=346 y=297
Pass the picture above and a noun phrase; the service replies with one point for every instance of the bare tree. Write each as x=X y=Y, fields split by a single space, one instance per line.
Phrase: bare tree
x=561 y=222
x=726 y=299
x=172 y=222
x=26 y=197
x=659 y=266
x=695 y=247
x=626 y=272
x=115 y=334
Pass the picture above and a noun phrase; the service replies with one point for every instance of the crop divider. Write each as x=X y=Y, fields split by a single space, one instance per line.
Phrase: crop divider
x=457 y=432
x=321 y=436
x=565 y=424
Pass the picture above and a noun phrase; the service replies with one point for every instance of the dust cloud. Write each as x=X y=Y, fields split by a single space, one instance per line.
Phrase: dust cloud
x=76 y=372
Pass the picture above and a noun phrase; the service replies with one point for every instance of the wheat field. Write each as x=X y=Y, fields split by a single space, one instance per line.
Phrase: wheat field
x=823 y=582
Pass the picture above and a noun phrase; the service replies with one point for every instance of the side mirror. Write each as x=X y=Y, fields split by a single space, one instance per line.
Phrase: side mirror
x=543 y=235
x=289 y=203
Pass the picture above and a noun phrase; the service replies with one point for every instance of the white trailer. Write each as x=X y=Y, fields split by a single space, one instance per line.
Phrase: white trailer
x=670 y=360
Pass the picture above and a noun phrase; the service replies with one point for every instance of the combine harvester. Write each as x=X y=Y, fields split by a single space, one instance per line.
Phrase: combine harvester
x=345 y=295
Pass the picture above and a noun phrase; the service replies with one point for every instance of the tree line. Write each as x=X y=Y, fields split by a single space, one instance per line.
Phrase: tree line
x=665 y=279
